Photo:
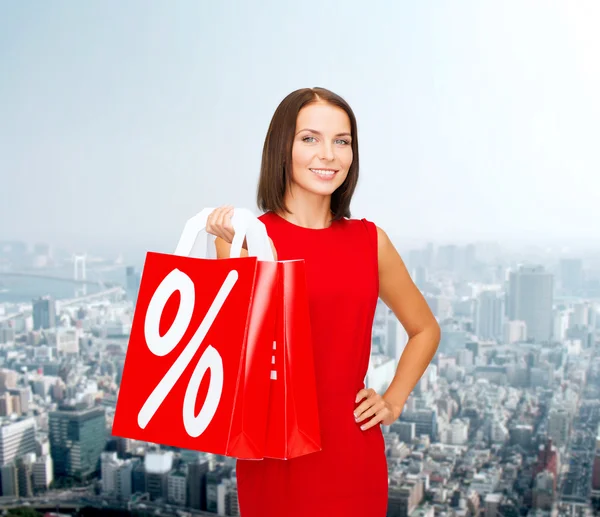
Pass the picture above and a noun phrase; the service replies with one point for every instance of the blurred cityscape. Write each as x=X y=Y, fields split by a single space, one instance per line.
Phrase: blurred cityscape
x=504 y=423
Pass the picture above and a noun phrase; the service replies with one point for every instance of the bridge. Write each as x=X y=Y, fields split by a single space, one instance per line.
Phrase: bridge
x=85 y=281
x=66 y=303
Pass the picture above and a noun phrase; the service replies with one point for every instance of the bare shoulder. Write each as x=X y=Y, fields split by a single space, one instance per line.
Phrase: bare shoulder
x=383 y=241
x=398 y=291
x=385 y=248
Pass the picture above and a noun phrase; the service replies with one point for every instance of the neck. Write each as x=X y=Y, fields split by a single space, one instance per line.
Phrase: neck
x=307 y=209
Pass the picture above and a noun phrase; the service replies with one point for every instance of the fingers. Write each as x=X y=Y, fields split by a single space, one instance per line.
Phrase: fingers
x=371 y=394
x=364 y=393
x=219 y=223
x=379 y=418
x=375 y=405
x=224 y=222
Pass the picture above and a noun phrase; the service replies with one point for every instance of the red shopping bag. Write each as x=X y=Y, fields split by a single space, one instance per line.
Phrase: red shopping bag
x=197 y=369
x=293 y=424
x=200 y=372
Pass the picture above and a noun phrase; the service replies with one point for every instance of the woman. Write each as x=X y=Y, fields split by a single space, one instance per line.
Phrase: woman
x=308 y=174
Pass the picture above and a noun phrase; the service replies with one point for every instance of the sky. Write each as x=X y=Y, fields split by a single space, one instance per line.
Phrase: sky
x=120 y=120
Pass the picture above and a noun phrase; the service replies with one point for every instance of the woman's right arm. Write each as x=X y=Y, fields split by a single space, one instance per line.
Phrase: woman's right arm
x=224 y=248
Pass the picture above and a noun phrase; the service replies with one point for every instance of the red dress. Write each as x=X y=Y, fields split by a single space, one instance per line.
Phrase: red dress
x=349 y=476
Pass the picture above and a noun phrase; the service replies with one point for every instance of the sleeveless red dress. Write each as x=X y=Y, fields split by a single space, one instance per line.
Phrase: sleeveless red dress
x=349 y=476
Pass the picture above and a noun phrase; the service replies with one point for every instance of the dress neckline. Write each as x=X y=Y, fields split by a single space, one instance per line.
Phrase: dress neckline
x=304 y=228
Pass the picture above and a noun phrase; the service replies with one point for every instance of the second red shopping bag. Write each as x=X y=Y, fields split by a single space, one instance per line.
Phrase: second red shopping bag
x=293 y=427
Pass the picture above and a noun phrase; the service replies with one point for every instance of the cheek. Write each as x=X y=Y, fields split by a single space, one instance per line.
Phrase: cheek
x=346 y=158
x=301 y=157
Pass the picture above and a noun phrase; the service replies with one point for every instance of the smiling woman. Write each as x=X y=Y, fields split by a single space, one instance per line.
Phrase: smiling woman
x=309 y=172
x=312 y=138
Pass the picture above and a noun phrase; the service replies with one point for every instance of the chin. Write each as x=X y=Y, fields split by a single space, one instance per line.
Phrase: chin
x=323 y=190
x=319 y=187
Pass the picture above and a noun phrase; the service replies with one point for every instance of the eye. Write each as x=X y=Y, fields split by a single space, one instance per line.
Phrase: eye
x=306 y=138
x=344 y=142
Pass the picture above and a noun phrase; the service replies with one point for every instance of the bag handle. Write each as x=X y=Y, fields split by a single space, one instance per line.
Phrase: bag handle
x=196 y=242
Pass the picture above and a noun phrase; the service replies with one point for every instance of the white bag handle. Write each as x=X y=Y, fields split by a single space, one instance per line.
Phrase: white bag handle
x=196 y=242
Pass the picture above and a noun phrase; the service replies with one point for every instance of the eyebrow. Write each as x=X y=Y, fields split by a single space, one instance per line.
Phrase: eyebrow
x=320 y=134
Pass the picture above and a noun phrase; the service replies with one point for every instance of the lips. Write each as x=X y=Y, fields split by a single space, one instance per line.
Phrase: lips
x=324 y=173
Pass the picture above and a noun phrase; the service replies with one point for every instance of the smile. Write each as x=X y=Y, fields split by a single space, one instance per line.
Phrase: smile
x=324 y=173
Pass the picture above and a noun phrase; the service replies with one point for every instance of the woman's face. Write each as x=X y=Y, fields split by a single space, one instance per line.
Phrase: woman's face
x=322 y=151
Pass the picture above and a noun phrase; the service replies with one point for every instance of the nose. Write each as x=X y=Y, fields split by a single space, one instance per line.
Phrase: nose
x=327 y=153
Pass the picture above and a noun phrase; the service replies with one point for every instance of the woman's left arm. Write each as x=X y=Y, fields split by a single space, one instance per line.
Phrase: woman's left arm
x=401 y=295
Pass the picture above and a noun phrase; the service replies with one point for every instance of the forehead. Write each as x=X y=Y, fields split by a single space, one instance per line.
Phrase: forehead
x=323 y=116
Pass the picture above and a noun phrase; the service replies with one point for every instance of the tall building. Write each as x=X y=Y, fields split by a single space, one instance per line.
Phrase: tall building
x=425 y=421
x=43 y=473
x=138 y=478
x=544 y=488
x=176 y=489
x=133 y=279
x=77 y=438
x=596 y=464
x=548 y=461
x=213 y=479
x=407 y=431
x=196 y=484
x=10 y=480
x=447 y=257
x=530 y=299
x=124 y=484
x=228 y=498
x=404 y=500
x=8 y=379
x=157 y=466
x=397 y=337
x=25 y=466
x=571 y=274
x=21 y=398
x=560 y=325
x=441 y=306
x=116 y=475
x=380 y=372
x=17 y=438
x=6 y=406
x=492 y=505
x=44 y=313
x=489 y=315
x=109 y=465
x=514 y=332
x=559 y=424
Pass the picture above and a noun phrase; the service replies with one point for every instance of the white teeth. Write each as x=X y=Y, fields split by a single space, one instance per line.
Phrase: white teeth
x=322 y=172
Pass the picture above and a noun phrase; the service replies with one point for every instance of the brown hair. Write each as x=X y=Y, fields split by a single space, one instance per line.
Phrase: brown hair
x=275 y=168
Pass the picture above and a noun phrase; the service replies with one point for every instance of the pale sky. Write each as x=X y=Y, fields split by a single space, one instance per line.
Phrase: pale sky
x=119 y=120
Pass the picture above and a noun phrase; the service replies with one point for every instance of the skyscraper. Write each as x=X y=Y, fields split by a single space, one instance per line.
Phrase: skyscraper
x=489 y=315
x=77 y=438
x=196 y=481
x=571 y=274
x=17 y=438
x=133 y=283
x=596 y=463
x=530 y=299
x=44 y=313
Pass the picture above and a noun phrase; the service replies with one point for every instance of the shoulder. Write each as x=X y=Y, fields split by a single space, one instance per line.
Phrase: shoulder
x=373 y=229
x=378 y=237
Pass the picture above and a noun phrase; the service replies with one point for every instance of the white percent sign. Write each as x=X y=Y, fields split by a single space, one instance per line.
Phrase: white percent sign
x=162 y=345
